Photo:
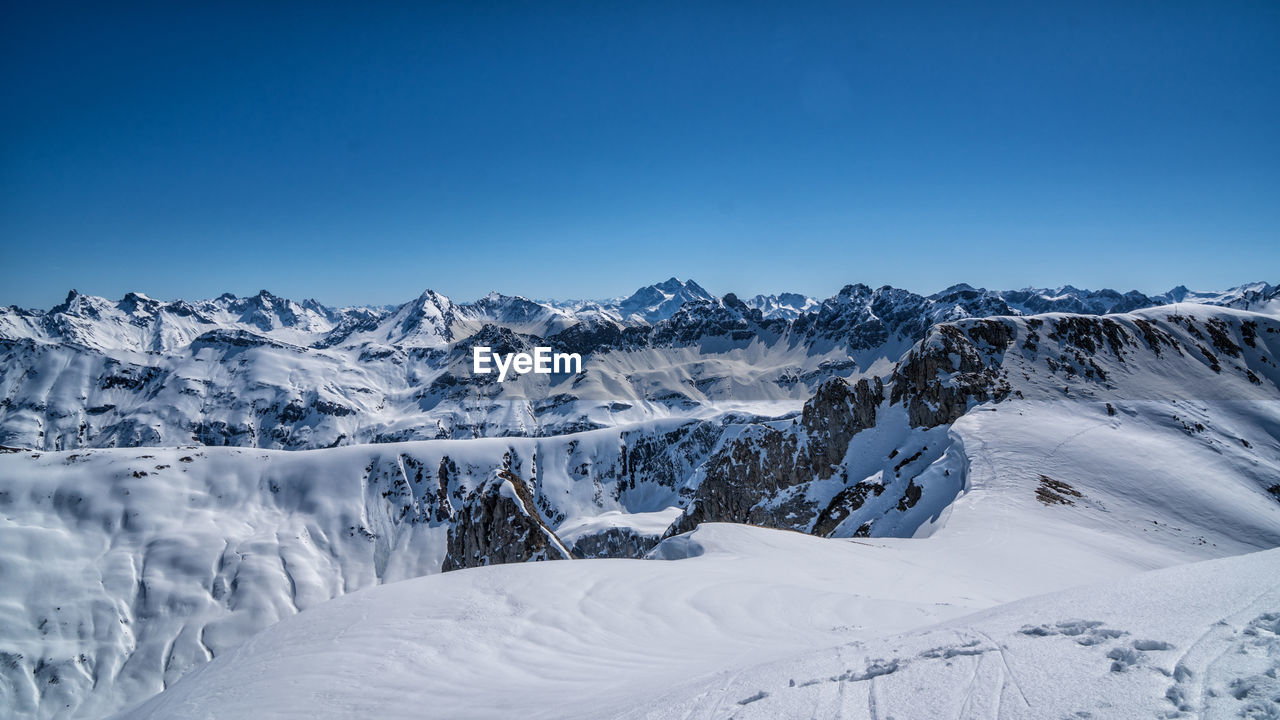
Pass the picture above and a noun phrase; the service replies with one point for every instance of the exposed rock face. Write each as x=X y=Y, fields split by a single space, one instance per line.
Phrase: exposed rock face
x=947 y=371
x=500 y=524
x=727 y=318
x=754 y=466
x=864 y=318
x=837 y=412
x=443 y=509
x=598 y=334
x=845 y=503
x=617 y=542
x=665 y=459
x=772 y=476
x=762 y=462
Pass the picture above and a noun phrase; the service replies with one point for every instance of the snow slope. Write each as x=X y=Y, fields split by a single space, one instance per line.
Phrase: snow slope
x=1198 y=640
x=761 y=624
x=122 y=569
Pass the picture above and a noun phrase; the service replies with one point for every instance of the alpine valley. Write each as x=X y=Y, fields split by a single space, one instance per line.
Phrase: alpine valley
x=775 y=506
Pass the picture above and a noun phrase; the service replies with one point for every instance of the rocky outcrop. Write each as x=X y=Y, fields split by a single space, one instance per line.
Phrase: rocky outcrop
x=727 y=318
x=772 y=475
x=836 y=413
x=951 y=369
x=618 y=542
x=752 y=468
x=845 y=503
x=499 y=523
x=667 y=458
x=746 y=480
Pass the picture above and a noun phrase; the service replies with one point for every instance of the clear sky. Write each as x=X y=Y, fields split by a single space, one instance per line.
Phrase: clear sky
x=361 y=152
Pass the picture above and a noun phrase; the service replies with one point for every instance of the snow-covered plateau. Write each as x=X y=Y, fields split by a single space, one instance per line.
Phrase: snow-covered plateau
x=972 y=504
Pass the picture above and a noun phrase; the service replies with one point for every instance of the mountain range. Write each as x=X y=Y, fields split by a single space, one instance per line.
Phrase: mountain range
x=753 y=505
x=265 y=371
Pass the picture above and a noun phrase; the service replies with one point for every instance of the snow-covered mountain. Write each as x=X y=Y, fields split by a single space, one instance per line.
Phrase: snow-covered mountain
x=647 y=306
x=269 y=372
x=785 y=305
x=656 y=303
x=1024 y=455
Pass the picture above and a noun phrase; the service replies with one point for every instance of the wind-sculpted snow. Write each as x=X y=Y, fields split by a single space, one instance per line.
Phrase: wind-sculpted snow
x=121 y=570
x=1200 y=640
x=745 y=622
x=269 y=372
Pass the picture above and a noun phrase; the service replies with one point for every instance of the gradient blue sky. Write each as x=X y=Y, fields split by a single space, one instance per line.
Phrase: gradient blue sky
x=360 y=153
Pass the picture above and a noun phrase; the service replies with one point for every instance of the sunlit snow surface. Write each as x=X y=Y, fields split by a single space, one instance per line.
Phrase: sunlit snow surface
x=759 y=624
x=732 y=613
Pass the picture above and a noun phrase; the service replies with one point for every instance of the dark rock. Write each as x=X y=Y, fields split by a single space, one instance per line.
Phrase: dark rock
x=619 y=542
x=499 y=523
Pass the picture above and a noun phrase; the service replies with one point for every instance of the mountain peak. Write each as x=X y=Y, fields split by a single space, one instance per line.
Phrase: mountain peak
x=75 y=298
x=959 y=288
x=731 y=300
x=431 y=296
x=855 y=288
x=134 y=302
x=660 y=301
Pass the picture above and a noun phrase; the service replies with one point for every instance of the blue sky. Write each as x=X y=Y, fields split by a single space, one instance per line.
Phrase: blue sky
x=360 y=153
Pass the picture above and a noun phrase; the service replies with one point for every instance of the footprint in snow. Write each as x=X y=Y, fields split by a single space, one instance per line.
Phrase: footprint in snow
x=873 y=669
x=972 y=647
x=1085 y=632
x=1124 y=658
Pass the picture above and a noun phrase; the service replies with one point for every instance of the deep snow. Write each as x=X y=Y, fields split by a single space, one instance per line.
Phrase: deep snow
x=762 y=624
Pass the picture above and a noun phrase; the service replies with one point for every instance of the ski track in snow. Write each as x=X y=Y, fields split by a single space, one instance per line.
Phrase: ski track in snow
x=1032 y=658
